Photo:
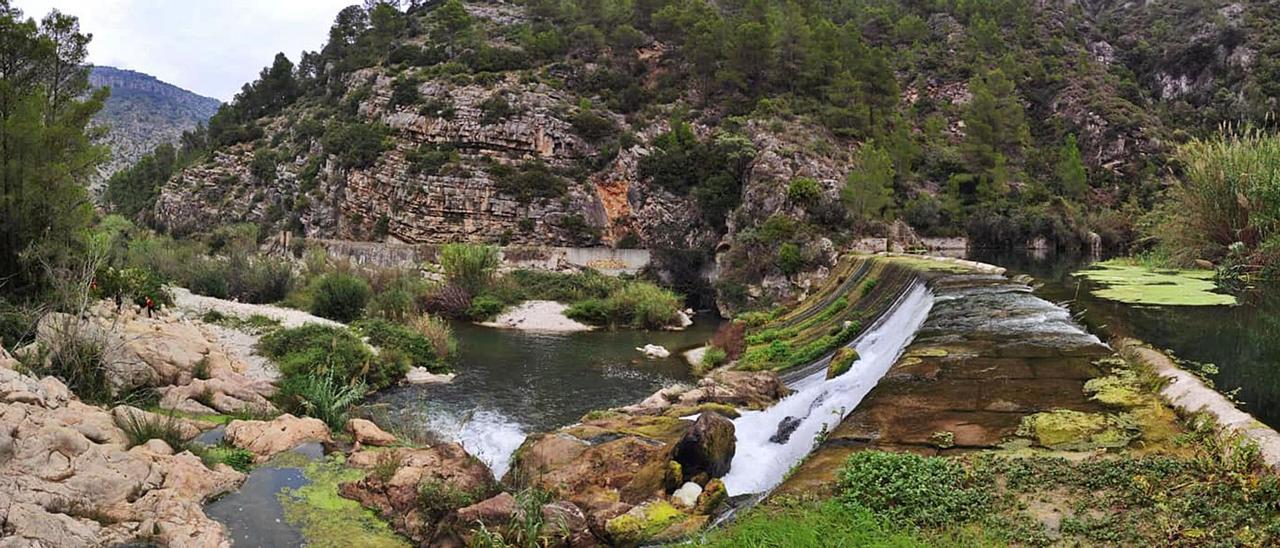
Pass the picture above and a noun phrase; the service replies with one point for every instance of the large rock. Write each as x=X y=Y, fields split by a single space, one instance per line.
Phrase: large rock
x=67 y=479
x=365 y=432
x=707 y=447
x=496 y=511
x=420 y=488
x=267 y=438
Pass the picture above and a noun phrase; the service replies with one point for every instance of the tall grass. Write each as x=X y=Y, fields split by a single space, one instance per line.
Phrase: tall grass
x=1229 y=192
x=641 y=305
x=140 y=428
x=439 y=333
x=469 y=266
x=325 y=396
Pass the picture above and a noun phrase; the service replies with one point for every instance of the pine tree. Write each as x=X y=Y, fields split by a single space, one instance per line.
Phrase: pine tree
x=868 y=189
x=1073 y=181
x=995 y=131
x=46 y=153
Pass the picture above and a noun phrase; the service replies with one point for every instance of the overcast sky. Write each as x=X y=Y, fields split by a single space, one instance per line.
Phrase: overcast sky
x=211 y=47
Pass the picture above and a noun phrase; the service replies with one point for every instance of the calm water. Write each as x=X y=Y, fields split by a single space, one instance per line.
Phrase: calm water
x=512 y=383
x=1243 y=340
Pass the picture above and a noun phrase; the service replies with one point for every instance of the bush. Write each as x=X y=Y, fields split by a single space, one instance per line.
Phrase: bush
x=449 y=300
x=713 y=358
x=325 y=396
x=439 y=333
x=790 y=259
x=408 y=342
x=78 y=360
x=238 y=459
x=469 y=266
x=340 y=297
x=907 y=488
x=355 y=145
x=640 y=305
x=485 y=307
x=529 y=181
x=16 y=325
x=804 y=191
x=315 y=348
x=261 y=280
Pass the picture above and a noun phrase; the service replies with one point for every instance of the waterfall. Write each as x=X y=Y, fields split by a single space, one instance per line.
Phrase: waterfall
x=488 y=435
x=773 y=440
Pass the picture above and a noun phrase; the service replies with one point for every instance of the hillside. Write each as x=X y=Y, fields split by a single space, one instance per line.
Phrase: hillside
x=768 y=134
x=144 y=112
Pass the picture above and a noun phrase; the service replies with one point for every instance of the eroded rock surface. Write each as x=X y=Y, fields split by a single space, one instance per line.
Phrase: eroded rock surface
x=67 y=477
x=266 y=439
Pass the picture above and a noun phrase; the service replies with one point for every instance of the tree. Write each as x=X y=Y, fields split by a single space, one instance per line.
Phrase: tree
x=868 y=189
x=46 y=150
x=1073 y=181
x=134 y=190
x=995 y=130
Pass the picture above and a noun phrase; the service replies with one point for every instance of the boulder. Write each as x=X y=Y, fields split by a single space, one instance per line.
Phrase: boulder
x=496 y=511
x=707 y=447
x=267 y=438
x=564 y=524
x=421 y=375
x=643 y=523
x=443 y=476
x=841 y=362
x=653 y=351
x=367 y=433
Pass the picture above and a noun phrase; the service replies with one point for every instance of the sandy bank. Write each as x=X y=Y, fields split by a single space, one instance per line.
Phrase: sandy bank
x=545 y=316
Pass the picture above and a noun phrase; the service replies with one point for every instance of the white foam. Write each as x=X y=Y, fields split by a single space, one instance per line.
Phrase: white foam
x=760 y=464
x=488 y=435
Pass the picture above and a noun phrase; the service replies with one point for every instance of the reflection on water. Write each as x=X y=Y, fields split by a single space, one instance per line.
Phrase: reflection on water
x=511 y=383
x=1243 y=340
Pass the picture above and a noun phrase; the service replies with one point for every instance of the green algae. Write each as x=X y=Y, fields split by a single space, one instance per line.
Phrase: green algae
x=1068 y=430
x=943 y=439
x=1120 y=389
x=328 y=520
x=926 y=264
x=643 y=522
x=1138 y=285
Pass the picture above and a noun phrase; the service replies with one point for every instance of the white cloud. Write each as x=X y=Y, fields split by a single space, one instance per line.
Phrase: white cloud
x=211 y=47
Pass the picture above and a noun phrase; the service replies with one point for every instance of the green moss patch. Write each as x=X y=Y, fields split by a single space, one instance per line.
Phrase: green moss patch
x=1133 y=284
x=1067 y=430
x=841 y=362
x=327 y=519
x=643 y=522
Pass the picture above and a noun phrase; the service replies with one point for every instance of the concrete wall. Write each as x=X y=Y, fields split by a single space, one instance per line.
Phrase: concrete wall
x=389 y=254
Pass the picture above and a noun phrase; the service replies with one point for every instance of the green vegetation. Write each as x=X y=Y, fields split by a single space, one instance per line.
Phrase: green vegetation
x=710 y=171
x=1130 y=283
x=470 y=267
x=1225 y=205
x=412 y=343
x=639 y=305
x=239 y=459
x=326 y=519
x=323 y=395
x=811 y=525
x=340 y=297
x=140 y=429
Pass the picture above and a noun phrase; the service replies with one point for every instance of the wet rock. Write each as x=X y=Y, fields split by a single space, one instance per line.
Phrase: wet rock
x=712 y=496
x=420 y=375
x=787 y=427
x=642 y=523
x=268 y=438
x=367 y=433
x=708 y=446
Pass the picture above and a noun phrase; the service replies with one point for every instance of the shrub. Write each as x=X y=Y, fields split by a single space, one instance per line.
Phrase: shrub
x=396 y=304
x=529 y=181
x=640 y=305
x=439 y=333
x=315 y=348
x=593 y=127
x=496 y=109
x=592 y=311
x=469 y=266
x=485 y=307
x=325 y=396
x=263 y=165
x=437 y=498
x=354 y=145
x=430 y=159
x=804 y=191
x=408 y=342
x=338 y=296
x=210 y=278
x=790 y=259
x=713 y=358
x=76 y=358
x=924 y=491
x=261 y=280
x=449 y=300
x=16 y=325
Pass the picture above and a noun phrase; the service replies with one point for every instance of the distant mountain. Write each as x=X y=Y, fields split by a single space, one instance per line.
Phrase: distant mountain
x=144 y=112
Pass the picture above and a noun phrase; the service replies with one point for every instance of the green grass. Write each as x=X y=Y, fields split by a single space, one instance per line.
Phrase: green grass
x=816 y=525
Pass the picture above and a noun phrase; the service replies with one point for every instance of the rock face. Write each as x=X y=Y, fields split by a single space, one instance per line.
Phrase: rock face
x=268 y=438
x=68 y=479
x=420 y=489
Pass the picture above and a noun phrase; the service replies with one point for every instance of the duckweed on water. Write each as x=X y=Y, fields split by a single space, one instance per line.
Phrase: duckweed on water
x=1138 y=285
x=327 y=519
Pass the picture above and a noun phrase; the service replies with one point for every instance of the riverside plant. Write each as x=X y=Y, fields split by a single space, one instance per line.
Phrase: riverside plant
x=322 y=396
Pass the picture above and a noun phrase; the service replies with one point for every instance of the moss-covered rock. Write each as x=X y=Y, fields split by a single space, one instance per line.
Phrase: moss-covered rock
x=687 y=410
x=1068 y=430
x=708 y=446
x=1120 y=389
x=643 y=523
x=841 y=362
x=713 y=495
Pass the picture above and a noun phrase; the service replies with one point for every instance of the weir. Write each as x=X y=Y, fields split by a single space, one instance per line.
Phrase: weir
x=771 y=441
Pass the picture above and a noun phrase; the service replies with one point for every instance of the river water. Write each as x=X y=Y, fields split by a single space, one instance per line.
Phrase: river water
x=511 y=383
x=1242 y=341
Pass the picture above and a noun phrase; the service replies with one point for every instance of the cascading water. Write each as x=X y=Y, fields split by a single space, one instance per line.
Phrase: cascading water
x=771 y=441
x=488 y=435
